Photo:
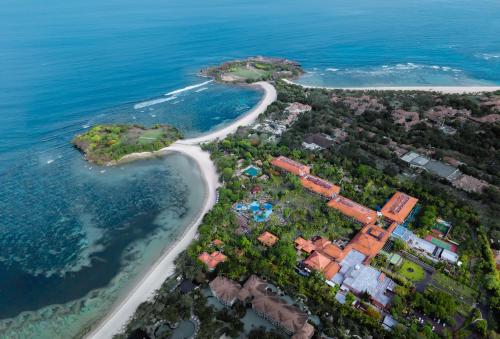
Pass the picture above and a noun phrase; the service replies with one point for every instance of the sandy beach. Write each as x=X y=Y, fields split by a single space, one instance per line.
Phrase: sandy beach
x=164 y=267
x=441 y=89
x=269 y=97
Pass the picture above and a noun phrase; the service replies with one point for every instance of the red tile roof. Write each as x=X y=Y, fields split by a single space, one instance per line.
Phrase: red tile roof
x=333 y=251
x=320 y=186
x=217 y=242
x=354 y=210
x=321 y=242
x=317 y=261
x=331 y=270
x=268 y=239
x=213 y=259
x=291 y=166
x=321 y=263
x=370 y=240
x=304 y=245
x=399 y=207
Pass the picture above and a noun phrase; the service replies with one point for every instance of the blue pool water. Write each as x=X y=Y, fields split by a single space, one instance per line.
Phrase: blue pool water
x=74 y=238
x=252 y=171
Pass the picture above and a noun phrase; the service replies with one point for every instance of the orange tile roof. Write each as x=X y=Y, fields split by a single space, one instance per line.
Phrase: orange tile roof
x=333 y=251
x=399 y=207
x=317 y=261
x=304 y=245
x=370 y=240
x=354 y=210
x=291 y=166
x=320 y=186
x=331 y=270
x=213 y=259
x=268 y=239
x=217 y=242
x=321 y=242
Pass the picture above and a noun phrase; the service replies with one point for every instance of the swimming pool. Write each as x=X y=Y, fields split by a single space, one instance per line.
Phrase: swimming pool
x=252 y=171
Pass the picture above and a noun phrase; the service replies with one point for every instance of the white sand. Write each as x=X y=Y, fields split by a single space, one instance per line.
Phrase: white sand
x=144 y=290
x=441 y=89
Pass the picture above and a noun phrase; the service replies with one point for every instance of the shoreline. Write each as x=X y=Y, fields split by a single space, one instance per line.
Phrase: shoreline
x=270 y=95
x=164 y=267
x=441 y=89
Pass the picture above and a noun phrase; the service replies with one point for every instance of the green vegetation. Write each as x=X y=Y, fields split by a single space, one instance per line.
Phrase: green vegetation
x=253 y=70
x=106 y=144
x=412 y=271
x=453 y=287
x=368 y=172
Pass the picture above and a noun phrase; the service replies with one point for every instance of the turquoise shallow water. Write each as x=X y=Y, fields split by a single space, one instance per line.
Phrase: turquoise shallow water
x=76 y=237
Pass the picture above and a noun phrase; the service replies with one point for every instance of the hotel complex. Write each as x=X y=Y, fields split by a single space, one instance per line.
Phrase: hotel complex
x=349 y=267
x=265 y=303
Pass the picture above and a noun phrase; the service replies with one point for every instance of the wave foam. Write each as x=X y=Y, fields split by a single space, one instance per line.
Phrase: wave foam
x=488 y=56
x=153 y=102
x=393 y=69
x=201 y=89
x=188 y=88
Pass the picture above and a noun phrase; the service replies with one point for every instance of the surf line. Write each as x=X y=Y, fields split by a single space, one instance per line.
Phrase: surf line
x=188 y=88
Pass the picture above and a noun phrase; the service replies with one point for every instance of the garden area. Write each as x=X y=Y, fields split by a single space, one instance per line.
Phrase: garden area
x=411 y=271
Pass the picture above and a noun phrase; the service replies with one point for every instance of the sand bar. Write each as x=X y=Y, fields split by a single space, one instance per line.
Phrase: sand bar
x=115 y=321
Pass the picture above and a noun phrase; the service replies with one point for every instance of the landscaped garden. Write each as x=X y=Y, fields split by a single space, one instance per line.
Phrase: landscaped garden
x=412 y=271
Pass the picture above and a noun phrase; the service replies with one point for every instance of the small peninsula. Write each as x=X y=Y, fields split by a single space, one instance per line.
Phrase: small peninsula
x=107 y=144
x=254 y=69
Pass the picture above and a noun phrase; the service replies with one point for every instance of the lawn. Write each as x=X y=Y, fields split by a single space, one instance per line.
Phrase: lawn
x=251 y=74
x=412 y=271
x=150 y=136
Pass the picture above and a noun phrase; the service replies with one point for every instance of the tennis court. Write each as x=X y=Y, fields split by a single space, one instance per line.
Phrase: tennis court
x=441 y=243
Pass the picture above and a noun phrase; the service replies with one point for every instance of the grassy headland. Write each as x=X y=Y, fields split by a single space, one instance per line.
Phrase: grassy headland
x=254 y=69
x=106 y=144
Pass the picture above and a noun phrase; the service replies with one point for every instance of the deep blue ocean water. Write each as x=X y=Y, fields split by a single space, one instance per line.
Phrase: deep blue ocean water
x=74 y=235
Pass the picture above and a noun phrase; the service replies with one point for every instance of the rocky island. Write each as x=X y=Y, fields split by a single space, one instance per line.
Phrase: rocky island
x=107 y=144
x=254 y=69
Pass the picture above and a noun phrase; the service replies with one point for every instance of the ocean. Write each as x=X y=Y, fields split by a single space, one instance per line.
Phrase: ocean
x=75 y=237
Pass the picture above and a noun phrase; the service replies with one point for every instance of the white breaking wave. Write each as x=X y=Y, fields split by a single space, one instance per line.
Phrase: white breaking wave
x=332 y=69
x=488 y=56
x=152 y=102
x=201 y=89
x=188 y=88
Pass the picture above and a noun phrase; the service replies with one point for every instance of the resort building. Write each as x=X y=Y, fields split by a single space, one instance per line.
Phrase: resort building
x=326 y=247
x=362 y=278
x=225 y=290
x=268 y=239
x=358 y=278
x=320 y=186
x=291 y=166
x=217 y=242
x=438 y=168
x=287 y=317
x=321 y=263
x=265 y=303
x=353 y=210
x=212 y=260
x=399 y=207
x=370 y=240
x=317 y=141
x=433 y=248
x=304 y=245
